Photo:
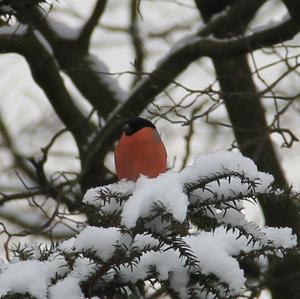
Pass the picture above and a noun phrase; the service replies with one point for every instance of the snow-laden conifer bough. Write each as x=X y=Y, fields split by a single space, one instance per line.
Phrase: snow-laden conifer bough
x=184 y=232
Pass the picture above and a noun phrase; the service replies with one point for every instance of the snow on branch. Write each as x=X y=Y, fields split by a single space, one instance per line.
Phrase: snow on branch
x=99 y=68
x=184 y=232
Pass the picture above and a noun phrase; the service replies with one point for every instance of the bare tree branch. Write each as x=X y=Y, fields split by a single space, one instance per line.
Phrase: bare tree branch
x=75 y=61
x=172 y=66
x=19 y=159
x=136 y=39
x=89 y=26
x=46 y=74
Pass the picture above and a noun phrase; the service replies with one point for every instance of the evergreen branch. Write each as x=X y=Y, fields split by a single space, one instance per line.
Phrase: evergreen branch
x=218 y=200
x=227 y=175
x=211 y=218
x=207 y=284
x=264 y=251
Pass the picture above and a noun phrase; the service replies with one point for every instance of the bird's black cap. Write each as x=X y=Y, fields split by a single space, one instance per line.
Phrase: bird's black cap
x=135 y=124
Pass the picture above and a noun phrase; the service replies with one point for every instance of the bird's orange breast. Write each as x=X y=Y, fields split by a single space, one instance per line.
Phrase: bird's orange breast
x=141 y=153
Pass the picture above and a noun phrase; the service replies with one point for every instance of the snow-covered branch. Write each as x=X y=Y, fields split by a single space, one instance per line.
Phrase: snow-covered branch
x=153 y=231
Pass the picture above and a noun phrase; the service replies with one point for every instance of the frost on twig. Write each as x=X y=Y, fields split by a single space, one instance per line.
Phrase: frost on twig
x=182 y=232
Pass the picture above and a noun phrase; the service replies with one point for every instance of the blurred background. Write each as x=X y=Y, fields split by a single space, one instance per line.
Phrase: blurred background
x=126 y=41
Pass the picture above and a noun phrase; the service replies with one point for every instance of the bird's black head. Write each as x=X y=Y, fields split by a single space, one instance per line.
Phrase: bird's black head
x=135 y=124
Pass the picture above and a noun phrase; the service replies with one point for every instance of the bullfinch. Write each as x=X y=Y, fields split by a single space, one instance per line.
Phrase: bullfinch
x=140 y=151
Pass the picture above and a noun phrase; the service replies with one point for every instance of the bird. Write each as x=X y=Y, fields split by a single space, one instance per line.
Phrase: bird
x=140 y=151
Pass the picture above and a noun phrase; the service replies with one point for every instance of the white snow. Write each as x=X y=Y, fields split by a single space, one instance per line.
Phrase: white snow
x=66 y=288
x=212 y=252
x=165 y=190
x=30 y=276
x=168 y=265
x=69 y=287
x=91 y=197
x=226 y=162
x=142 y=241
x=168 y=188
x=215 y=252
x=67 y=245
x=234 y=218
x=280 y=237
x=83 y=268
x=102 y=241
x=98 y=239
